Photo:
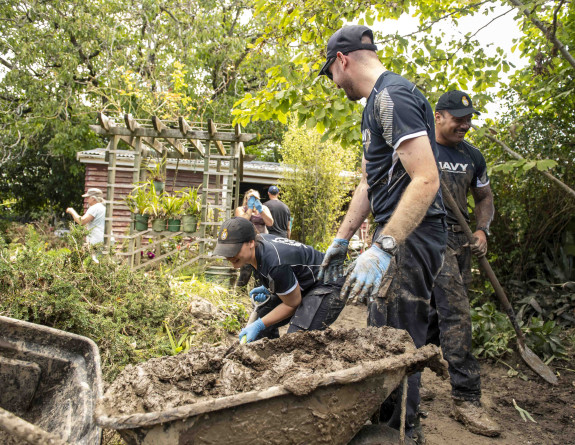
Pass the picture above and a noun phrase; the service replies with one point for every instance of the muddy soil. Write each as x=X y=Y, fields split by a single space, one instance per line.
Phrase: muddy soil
x=209 y=373
x=553 y=408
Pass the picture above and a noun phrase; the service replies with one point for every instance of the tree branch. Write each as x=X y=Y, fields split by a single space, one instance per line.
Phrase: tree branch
x=546 y=32
x=555 y=17
x=516 y=155
x=6 y=63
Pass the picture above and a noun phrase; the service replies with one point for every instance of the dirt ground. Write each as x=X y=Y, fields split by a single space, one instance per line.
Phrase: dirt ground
x=553 y=408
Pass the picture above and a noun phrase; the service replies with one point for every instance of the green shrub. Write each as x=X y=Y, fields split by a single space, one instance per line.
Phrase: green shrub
x=126 y=313
x=493 y=334
x=491 y=331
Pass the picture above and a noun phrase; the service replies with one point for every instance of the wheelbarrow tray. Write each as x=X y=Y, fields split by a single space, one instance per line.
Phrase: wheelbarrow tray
x=332 y=413
x=51 y=379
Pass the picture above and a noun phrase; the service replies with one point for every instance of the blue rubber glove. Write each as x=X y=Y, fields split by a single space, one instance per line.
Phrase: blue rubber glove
x=252 y=202
x=252 y=331
x=258 y=205
x=332 y=266
x=365 y=274
x=259 y=294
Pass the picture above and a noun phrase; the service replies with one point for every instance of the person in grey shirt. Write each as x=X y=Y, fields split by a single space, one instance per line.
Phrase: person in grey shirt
x=280 y=212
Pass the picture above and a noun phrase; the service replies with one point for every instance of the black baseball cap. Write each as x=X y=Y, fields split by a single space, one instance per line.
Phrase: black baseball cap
x=457 y=103
x=234 y=233
x=346 y=40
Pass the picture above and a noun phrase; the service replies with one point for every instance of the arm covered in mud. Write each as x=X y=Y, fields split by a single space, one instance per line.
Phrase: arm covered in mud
x=484 y=211
x=417 y=158
x=366 y=273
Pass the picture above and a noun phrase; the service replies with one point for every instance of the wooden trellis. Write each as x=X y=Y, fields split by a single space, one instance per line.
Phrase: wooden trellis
x=220 y=146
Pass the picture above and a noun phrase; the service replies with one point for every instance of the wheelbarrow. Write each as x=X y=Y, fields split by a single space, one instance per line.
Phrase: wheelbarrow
x=325 y=408
x=50 y=382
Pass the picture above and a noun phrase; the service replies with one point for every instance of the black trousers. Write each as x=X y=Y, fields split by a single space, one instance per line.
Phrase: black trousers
x=320 y=307
x=403 y=303
x=450 y=320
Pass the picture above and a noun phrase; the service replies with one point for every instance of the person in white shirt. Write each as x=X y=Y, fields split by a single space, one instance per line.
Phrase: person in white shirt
x=95 y=216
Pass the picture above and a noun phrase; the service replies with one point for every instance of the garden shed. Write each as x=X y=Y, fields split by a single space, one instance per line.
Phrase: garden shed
x=201 y=155
x=256 y=175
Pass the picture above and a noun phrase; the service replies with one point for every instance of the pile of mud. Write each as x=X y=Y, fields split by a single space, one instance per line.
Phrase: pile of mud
x=211 y=372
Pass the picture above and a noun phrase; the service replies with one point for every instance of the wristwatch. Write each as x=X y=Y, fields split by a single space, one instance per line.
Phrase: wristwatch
x=485 y=230
x=387 y=243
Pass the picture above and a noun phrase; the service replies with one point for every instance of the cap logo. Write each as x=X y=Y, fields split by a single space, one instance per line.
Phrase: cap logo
x=464 y=101
x=224 y=234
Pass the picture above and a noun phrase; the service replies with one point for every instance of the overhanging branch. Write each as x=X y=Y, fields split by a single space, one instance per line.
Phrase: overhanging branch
x=549 y=34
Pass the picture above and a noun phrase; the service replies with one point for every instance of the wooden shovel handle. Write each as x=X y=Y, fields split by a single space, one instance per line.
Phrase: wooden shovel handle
x=484 y=264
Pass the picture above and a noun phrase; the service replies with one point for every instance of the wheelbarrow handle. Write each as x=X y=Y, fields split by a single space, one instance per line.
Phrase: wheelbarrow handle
x=27 y=431
x=484 y=264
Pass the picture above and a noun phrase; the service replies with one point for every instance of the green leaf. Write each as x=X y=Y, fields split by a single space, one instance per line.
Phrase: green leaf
x=529 y=165
x=546 y=164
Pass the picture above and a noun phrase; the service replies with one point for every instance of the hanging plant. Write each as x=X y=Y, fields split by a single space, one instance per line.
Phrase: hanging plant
x=192 y=204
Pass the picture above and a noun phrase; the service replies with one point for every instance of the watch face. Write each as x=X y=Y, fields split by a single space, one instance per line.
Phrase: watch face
x=387 y=242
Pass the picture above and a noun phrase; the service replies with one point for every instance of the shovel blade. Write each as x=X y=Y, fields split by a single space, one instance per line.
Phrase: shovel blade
x=537 y=365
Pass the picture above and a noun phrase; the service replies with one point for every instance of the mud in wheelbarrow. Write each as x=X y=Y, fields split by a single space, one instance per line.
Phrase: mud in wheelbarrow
x=314 y=387
x=50 y=381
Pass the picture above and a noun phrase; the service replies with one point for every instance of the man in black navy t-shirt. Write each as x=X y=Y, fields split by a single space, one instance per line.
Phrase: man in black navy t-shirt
x=463 y=170
x=400 y=186
x=289 y=273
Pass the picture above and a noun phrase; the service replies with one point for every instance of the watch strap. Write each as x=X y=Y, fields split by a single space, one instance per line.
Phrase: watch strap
x=485 y=230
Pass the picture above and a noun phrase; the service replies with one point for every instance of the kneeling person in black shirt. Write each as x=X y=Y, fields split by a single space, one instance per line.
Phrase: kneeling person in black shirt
x=289 y=270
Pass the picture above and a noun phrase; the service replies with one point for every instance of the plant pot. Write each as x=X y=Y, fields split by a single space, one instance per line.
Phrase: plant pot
x=159 y=225
x=174 y=225
x=189 y=223
x=159 y=186
x=141 y=222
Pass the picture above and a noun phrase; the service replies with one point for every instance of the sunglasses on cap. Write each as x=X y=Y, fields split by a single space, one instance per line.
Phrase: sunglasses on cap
x=327 y=66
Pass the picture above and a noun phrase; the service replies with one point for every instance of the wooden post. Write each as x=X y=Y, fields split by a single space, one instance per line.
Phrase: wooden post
x=112 y=146
x=217 y=200
x=135 y=180
x=205 y=186
x=232 y=203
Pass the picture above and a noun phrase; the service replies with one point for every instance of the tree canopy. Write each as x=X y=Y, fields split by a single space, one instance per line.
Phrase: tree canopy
x=427 y=57
x=64 y=60
x=61 y=61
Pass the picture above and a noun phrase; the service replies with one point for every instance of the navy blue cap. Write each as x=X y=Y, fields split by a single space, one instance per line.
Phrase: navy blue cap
x=234 y=233
x=457 y=103
x=345 y=41
x=273 y=190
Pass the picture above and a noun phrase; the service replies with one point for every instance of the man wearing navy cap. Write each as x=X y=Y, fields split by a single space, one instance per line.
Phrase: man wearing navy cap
x=463 y=169
x=280 y=213
x=400 y=186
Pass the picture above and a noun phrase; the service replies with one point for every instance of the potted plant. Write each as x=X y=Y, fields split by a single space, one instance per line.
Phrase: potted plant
x=137 y=201
x=192 y=208
x=157 y=175
x=172 y=209
x=156 y=210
